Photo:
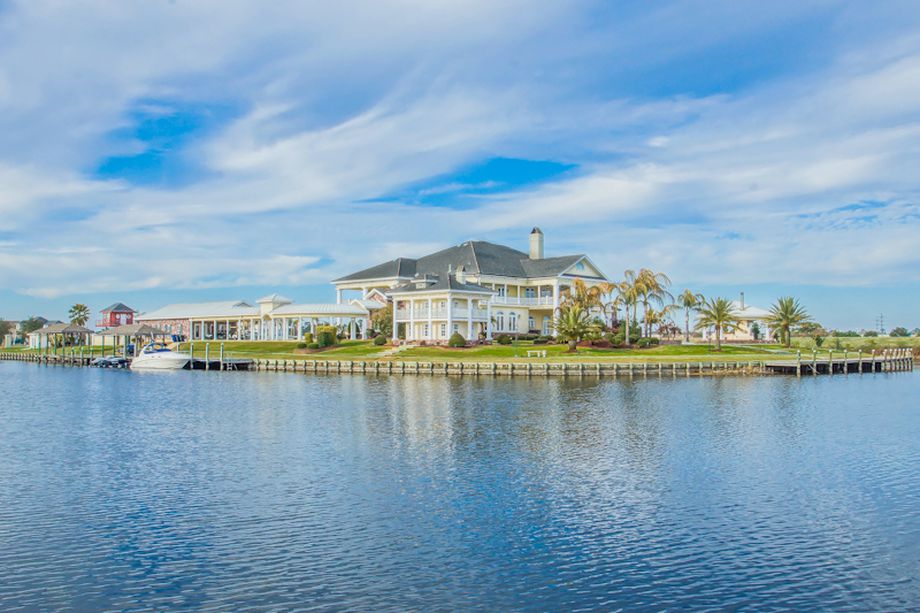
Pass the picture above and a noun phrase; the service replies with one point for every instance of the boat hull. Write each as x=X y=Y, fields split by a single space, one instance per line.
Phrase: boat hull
x=160 y=361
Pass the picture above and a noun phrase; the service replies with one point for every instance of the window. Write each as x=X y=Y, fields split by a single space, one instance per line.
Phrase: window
x=443 y=330
x=531 y=324
x=426 y=331
x=512 y=322
x=546 y=322
x=456 y=327
x=500 y=321
x=501 y=290
x=530 y=292
x=580 y=266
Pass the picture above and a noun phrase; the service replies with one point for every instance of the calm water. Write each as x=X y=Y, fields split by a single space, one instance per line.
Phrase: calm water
x=235 y=491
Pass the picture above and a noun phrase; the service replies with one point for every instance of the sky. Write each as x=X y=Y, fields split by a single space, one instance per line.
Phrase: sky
x=158 y=151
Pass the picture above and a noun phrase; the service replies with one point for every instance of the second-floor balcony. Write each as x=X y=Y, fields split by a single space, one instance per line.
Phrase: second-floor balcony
x=523 y=300
x=458 y=314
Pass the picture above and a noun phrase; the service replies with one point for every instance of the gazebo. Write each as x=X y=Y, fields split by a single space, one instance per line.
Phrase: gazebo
x=131 y=331
x=64 y=330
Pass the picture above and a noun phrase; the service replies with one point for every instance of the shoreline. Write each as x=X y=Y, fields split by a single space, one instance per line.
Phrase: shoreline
x=894 y=361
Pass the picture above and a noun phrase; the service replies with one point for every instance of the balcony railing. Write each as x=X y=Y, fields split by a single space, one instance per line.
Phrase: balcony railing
x=457 y=314
x=523 y=300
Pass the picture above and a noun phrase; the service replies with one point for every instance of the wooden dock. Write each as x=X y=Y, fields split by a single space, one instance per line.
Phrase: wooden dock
x=844 y=363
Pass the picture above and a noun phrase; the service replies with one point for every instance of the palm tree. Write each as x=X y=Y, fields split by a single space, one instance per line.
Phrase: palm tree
x=588 y=297
x=629 y=290
x=573 y=323
x=718 y=313
x=653 y=288
x=786 y=314
x=79 y=314
x=688 y=301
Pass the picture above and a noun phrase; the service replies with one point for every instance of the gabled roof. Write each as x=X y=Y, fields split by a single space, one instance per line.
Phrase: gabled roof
x=749 y=311
x=118 y=307
x=134 y=330
x=63 y=328
x=323 y=310
x=274 y=299
x=476 y=258
x=549 y=267
x=440 y=283
x=400 y=267
x=370 y=305
x=201 y=309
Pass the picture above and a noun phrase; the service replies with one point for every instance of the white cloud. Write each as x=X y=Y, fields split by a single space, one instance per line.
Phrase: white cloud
x=341 y=105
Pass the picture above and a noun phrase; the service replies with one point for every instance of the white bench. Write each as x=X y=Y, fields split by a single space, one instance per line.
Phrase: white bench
x=536 y=353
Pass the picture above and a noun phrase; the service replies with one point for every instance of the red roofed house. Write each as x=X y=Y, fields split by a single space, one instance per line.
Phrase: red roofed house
x=116 y=315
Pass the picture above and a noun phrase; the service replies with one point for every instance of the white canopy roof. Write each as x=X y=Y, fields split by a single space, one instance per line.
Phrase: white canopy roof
x=202 y=310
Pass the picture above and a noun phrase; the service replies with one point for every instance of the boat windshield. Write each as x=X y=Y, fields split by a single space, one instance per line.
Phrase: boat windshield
x=156 y=348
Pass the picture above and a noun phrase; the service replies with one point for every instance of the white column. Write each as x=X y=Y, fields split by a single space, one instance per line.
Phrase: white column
x=450 y=315
x=395 y=326
x=552 y=326
x=410 y=331
x=227 y=332
x=469 y=319
x=351 y=329
x=489 y=320
x=430 y=320
x=338 y=296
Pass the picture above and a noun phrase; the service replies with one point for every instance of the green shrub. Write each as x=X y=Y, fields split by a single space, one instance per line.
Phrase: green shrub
x=326 y=336
x=618 y=338
x=308 y=337
x=644 y=343
x=503 y=339
x=380 y=340
x=456 y=340
x=313 y=346
x=301 y=345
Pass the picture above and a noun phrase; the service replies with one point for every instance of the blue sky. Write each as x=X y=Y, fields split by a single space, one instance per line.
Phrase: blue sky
x=161 y=151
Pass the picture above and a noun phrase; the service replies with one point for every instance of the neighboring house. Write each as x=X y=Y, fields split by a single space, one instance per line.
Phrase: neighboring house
x=274 y=318
x=116 y=315
x=749 y=315
x=14 y=337
x=520 y=290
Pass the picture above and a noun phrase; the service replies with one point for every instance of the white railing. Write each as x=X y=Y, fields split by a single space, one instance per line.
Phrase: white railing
x=458 y=314
x=523 y=300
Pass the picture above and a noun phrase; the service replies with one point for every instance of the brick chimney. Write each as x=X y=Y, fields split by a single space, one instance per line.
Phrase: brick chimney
x=536 y=244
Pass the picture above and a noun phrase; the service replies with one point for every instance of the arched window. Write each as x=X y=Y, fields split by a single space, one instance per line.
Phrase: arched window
x=512 y=321
x=500 y=320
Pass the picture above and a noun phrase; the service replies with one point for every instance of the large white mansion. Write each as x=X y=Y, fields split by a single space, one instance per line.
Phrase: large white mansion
x=475 y=288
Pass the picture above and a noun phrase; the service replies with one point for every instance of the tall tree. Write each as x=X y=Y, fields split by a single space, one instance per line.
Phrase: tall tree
x=79 y=314
x=31 y=325
x=785 y=315
x=629 y=291
x=689 y=301
x=719 y=314
x=653 y=289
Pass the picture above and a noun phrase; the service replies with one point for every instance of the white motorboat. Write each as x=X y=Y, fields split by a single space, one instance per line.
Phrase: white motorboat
x=157 y=356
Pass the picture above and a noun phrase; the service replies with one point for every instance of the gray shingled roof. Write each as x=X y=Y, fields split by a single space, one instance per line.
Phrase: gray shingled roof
x=442 y=282
x=119 y=307
x=476 y=258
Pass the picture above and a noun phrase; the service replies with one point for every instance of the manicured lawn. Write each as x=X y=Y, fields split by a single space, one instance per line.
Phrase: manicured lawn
x=559 y=353
x=854 y=343
x=284 y=350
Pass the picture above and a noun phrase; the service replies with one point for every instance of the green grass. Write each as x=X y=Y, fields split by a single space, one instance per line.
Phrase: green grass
x=855 y=343
x=284 y=350
x=559 y=353
x=366 y=350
